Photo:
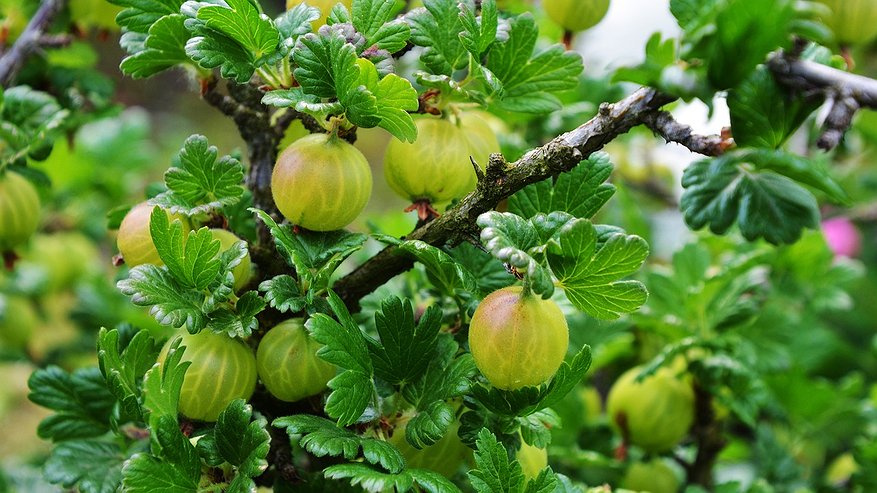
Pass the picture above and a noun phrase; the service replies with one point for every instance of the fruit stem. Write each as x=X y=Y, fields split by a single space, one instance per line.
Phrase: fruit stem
x=567 y=39
x=848 y=57
x=528 y=290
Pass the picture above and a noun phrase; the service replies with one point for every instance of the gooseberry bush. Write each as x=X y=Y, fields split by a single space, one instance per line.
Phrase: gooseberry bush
x=538 y=325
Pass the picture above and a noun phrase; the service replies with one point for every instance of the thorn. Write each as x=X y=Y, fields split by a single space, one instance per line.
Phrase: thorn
x=478 y=172
x=204 y=86
x=118 y=261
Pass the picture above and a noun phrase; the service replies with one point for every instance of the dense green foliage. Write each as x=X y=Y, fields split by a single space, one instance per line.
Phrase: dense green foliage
x=727 y=329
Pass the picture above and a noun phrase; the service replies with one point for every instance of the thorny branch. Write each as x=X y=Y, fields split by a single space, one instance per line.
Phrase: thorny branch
x=30 y=40
x=502 y=180
x=662 y=123
x=845 y=92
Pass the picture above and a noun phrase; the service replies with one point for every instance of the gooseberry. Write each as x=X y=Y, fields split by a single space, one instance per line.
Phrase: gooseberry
x=18 y=318
x=852 y=21
x=134 y=239
x=517 y=340
x=288 y=364
x=19 y=210
x=532 y=459
x=435 y=168
x=222 y=370
x=444 y=457
x=576 y=15
x=654 y=477
x=321 y=182
x=655 y=413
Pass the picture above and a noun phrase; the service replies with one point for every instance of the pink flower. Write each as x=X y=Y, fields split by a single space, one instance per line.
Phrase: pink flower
x=842 y=236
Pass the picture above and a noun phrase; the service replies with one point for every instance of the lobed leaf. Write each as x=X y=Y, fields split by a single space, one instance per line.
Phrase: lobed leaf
x=198 y=182
x=528 y=78
x=124 y=369
x=405 y=348
x=591 y=277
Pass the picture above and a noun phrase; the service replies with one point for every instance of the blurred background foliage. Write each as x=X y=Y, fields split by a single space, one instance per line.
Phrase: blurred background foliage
x=785 y=334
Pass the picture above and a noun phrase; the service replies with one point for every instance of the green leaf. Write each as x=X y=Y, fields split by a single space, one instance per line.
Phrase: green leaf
x=161 y=387
x=28 y=123
x=240 y=322
x=314 y=255
x=241 y=440
x=294 y=23
x=211 y=49
x=527 y=77
x=140 y=15
x=445 y=273
x=591 y=277
x=660 y=54
x=328 y=68
x=448 y=375
x=170 y=303
x=241 y=21
x=123 y=370
x=192 y=261
x=479 y=32
x=372 y=19
x=494 y=472
x=581 y=192
x=375 y=481
x=344 y=345
x=489 y=273
x=430 y=424
x=686 y=12
x=730 y=189
x=322 y=437
x=352 y=392
x=165 y=47
x=198 y=182
x=405 y=349
x=515 y=241
x=81 y=402
x=736 y=36
x=326 y=65
x=528 y=400
x=536 y=428
x=545 y=482
x=394 y=97
x=283 y=294
x=437 y=28
x=763 y=114
x=811 y=172
x=174 y=467
x=87 y=465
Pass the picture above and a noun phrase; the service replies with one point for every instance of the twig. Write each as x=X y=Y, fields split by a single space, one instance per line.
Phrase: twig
x=846 y=92
x=502 y=180
x=31 y=39
x=662 y=123
x=710 y=440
